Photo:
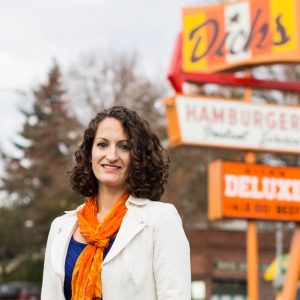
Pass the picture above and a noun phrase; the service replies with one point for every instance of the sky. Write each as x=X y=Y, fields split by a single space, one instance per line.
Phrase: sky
x=34 y=32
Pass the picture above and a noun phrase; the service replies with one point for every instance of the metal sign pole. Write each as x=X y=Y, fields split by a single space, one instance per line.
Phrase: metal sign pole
x=293 y=270
x=252 y=247
x=252 y=261
x=252 y=241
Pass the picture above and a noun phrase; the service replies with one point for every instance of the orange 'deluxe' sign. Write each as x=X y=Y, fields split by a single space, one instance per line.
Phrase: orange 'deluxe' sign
x=239 y=190
x=261 y=188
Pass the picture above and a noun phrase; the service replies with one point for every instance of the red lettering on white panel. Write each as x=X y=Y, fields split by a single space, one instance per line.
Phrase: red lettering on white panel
x=191 y=112
x=282 y=121
x=270 y=120
x=203 y=115
x=295 y=122
x=232 y=116
x=217 y=114
x=257 y=119
x=245 y=118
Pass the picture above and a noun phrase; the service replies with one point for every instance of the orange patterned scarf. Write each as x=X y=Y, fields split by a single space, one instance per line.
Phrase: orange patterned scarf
x=86 y=278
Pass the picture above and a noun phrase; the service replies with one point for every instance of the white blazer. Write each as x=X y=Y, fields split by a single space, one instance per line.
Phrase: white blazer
x=149 y=259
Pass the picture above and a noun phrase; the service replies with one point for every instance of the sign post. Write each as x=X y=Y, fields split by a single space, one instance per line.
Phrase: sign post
x=252 y=261
x=252 y=237
x=293 y=270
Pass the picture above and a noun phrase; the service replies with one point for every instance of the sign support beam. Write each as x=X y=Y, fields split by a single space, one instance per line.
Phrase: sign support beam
x=293 y=270
x=252 y=261
x=252 y=242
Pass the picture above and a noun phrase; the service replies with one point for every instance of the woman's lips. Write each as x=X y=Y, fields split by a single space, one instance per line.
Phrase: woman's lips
x=110 y=168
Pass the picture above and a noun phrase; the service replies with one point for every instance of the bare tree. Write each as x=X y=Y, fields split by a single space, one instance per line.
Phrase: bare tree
x=98 y=81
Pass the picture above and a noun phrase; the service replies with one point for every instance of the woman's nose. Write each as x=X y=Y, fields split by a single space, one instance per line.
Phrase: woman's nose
x=111 y=154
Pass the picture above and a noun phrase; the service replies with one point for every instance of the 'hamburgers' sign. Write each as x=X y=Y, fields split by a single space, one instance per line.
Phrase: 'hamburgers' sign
x=217 y=122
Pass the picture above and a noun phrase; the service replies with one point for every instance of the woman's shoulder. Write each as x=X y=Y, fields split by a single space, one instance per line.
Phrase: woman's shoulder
x=148 y=204
x=155 y=211
x=69 y=214
x=162 y=206
x=163 y=210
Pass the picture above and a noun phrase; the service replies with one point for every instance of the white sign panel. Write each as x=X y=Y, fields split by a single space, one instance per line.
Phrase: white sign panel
x=238 y=124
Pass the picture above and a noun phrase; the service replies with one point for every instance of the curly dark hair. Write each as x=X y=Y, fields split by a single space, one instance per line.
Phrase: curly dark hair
x=149 y=162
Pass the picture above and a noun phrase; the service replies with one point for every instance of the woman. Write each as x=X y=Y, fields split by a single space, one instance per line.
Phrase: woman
x=122 y=244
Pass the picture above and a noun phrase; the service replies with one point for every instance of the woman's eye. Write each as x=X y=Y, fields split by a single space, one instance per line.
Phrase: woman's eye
x=124 y=147
x=102 y=145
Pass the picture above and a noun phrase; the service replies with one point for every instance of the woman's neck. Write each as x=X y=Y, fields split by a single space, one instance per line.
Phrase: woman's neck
x=106 y=199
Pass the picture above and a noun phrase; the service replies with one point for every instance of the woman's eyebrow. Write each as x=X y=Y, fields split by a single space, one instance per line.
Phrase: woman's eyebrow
x=122 y=141
x=101 y=138
x=106 y=140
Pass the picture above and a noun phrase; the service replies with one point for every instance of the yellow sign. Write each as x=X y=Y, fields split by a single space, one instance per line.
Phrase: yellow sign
x=272 y=270
x=232 y=35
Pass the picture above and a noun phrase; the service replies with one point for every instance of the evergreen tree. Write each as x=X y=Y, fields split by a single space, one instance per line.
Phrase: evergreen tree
x=37 y=182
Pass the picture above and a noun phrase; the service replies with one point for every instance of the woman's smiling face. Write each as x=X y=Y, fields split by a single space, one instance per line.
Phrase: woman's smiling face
x=111 y=154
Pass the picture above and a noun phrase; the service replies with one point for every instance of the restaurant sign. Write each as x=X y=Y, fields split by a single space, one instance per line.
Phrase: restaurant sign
x=230 y=35
x=217 y=122
x=239 y=190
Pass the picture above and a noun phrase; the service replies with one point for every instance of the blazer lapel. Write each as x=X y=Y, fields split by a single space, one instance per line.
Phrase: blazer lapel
x=61 y=241
x=134 y=221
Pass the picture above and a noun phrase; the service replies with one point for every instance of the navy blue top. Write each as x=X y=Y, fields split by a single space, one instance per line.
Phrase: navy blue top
x=74 y=250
